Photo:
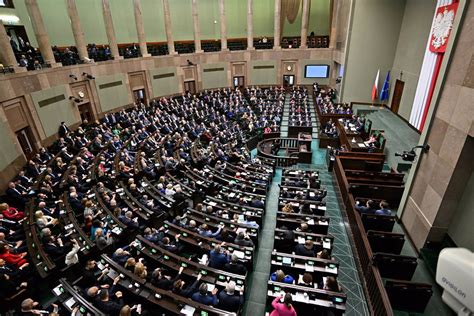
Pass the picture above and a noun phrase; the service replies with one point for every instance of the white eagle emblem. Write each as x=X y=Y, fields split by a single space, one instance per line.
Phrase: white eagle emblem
x=442 y=27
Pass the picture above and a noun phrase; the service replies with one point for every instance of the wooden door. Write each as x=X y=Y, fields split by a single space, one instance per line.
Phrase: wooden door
x=190 y=86
x=397 y=96
x=26 y=142
x=239 y=82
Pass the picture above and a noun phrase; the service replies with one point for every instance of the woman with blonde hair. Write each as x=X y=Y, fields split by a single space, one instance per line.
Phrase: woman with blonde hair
x=140 y=270
x=11 y=213
x=44 y=220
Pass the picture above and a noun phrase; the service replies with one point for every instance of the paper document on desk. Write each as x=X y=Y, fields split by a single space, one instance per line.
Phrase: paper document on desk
x=311 y=194
x=239 y=254
x=362 y=145
x=308 y=267
x=311 y=222
x=57 y=290
x=301 y=240
x=326 y=245
x=187 y=310
x=212 y=203
x=70 y=303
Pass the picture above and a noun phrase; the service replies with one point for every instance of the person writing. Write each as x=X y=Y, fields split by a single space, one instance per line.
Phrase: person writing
x=284 y=308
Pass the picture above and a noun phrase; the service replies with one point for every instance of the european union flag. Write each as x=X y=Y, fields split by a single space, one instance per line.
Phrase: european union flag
x=384 y=94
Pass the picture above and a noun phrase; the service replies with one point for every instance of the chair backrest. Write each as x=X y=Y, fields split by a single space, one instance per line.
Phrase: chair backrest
x=408 y=296
x=378 y=222
x=395 y=266
x=386 y=242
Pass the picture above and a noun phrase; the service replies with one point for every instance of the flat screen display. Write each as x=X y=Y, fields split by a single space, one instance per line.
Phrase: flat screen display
x=316 y=71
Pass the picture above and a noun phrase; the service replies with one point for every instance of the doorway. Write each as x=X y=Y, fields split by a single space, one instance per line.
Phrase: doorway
x=397 y=96
x=139 y=96
x=26 y=142
x=288 y=80
x=239 y=81
x=86 y=112
x=16 y=32
x=190 y=86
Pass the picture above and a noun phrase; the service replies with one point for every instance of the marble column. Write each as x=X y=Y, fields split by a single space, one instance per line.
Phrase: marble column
x=168 y=28
x=276 y=27
x=109 y=29
x=250 y=24
x=7 y=56
x=223 y=25
x=77 y=29
x=40 y=33
x=137 y=8
x=304 y=24
x=333 y=38
x=197 y=30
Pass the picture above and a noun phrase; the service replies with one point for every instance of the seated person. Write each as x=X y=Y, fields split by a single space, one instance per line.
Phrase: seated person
x=234 y=266
x=106 y=304
x=369 y=207
x=229 y=300
x=279 y=276
x=307 y=250
x=11 y=213
x=306 y=280
x=203 y=297
x=384 y=210
x=331 y=284
x=243 y=240
x=217 y=258
x=178 y=287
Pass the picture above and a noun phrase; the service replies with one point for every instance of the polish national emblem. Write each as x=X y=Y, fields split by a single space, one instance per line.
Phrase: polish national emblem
x=442 y=26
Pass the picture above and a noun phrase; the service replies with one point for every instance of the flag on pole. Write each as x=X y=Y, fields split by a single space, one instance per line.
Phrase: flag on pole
x=385 y=94
x=375 y=87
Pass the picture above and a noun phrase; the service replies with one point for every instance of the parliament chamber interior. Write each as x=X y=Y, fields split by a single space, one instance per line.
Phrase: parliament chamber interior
x=236 y=157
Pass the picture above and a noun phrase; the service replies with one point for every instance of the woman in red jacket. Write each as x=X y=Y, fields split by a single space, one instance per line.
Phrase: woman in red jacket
x=11 y=258
x=11 y=213
x=285 y=308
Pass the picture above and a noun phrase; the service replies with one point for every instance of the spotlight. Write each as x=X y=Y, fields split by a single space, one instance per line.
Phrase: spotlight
x=73 y=76
x=77 y=100
x=190 y=63
x=411 y=155
x=90 y=77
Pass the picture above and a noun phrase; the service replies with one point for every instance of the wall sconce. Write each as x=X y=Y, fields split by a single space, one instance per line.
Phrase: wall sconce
x=289 y=68
x=73 y=76
x=90 y=77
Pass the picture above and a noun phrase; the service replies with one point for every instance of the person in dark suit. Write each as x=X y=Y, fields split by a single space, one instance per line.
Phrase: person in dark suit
x=384 y=209
x=127 y=219
x=235 y=267
x=217 y=258
x=203 y=297
x=243 y=240
x=368 y=208
x=306 y=250
x=229 y=300
x=54 y=248
x=16 y=197
x=63 y=130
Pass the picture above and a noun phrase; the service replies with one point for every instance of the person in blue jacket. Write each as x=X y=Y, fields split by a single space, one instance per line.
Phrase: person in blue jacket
x=384 y=210
x=279 y=276
x=218 y=258
x=203 y=297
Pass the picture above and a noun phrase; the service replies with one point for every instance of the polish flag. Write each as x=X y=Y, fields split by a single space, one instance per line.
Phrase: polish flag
x=374 y=88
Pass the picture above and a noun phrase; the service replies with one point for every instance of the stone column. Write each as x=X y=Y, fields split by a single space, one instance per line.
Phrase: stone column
x=276 y=27
x=109 y=29
x=77 y=29
x=7 y=56
x=137 y=8
x=223 y=26
x=40 y=33
x=304 y=24
x=168 y=29
x=250 y=24
x=333 y=37
x=197 y=30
